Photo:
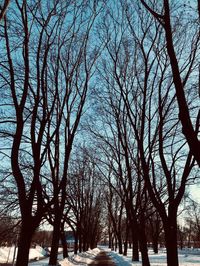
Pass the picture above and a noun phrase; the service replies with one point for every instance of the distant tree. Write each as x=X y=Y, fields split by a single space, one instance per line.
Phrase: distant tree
x=7 y=231
x=42 y=238
x=115 y=162
x=182 y=236
x=85 y=200
x=154 y=227
x=193 y=223
x=115 y=211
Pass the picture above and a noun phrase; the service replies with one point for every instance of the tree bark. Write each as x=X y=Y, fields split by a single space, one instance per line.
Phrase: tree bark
x=126 y=240
x=24 y=244
x=125 y=248
x=135 y=246
x=76 y=244
x=55 y=241
x=155 y=244
x=143 y=245
x=170 y=229
x=133 y=228
x=64 y=245
x=119 y=237
x=135 y=249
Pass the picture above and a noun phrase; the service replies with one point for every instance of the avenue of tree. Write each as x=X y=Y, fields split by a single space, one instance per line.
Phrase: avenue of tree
x=99 y=124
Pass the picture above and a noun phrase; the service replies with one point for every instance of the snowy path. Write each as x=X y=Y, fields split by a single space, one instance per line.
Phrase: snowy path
x=102 y=259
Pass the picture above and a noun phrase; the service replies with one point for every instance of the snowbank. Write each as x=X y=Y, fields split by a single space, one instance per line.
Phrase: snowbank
x=159 y=259
x=80 y=259
x=7 y=254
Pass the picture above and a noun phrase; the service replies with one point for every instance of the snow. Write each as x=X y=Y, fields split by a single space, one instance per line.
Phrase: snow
x=187 y=257
x=81 y=259
x=7 y=254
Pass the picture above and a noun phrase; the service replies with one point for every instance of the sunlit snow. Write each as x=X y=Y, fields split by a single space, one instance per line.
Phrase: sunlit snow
x=187 y=257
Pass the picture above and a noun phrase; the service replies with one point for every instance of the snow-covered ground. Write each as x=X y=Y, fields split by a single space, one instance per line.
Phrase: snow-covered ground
x=186 y=257
x=81 y=259
x=7 y=254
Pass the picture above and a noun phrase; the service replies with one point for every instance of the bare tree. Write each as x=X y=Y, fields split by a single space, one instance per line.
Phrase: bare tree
x=161 y=132
x=138 y=69
x=47 y=68
x=154 y=229
x=26 y=77
x=180 y=77
x=193 y=223
x=85 y=200
x=74 y=67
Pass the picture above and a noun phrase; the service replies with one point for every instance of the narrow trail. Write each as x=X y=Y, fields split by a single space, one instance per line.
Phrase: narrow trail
x=102 y=259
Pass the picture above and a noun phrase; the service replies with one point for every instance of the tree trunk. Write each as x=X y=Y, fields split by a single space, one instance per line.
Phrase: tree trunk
x=24 y=245
x=134 y=231
x=125 y=248
x=64 y=245
x=143 y=245
x=84 y=244
x=112 y=243
x=80 y=246
x=116 y=245
x=93 y=240
x=55 y=241
x=135 y=249
x=171 y=243
x=155 y=244
x=109 y=237
x=109 y=242
x=126 y=240
x=76 y=244
x=119 y=237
